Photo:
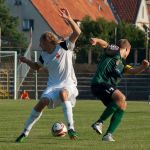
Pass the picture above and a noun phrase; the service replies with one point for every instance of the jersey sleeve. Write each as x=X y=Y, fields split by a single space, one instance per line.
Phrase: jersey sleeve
x=67 y=45
x=40 y=61
x=112 y=50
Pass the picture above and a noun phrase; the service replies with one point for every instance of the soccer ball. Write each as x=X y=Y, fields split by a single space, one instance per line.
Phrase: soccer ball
x=59 y=129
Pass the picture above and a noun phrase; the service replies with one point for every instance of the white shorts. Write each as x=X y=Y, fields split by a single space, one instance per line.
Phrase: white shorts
x=52 y=93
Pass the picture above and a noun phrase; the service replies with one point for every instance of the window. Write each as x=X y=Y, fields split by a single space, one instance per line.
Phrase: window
x=17 y=2
x=28 y=24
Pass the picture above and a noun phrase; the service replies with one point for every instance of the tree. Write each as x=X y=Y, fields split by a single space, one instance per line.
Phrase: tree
x=132 y=33
x=136 y=37
x=8 y=25
x=99 y=28
x=106 y=30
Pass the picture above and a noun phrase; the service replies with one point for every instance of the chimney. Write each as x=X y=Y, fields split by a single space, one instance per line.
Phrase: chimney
x=91 y=1
x=105 y=1
x=99 y=7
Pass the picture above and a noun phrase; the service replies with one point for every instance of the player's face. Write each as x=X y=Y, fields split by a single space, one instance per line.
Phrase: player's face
x=127 y=51
x=43 y=46
x=47 y=46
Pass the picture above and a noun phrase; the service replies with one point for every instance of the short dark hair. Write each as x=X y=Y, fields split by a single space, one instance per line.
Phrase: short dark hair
x=123 y=43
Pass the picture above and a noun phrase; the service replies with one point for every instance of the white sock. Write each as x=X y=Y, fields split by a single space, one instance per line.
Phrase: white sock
x=68 y=114
x=33 y=118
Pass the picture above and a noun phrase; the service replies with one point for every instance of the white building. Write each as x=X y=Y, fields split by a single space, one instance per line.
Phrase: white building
x=132 y=11
x=42 y=15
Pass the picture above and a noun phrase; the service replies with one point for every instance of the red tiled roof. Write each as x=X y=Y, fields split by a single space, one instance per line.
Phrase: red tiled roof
x=77 y=8
x=127 y=9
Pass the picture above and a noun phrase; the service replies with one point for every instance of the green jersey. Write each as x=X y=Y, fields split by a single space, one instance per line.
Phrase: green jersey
x=109 y=70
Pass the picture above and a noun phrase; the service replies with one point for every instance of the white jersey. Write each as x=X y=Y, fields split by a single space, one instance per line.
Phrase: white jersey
x=59 y=65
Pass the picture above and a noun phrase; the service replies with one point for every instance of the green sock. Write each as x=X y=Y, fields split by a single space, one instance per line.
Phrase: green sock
x=111 y=108
x=115 y=120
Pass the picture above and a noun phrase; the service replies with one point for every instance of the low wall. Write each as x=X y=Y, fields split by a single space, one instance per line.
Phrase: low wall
x=85 y=68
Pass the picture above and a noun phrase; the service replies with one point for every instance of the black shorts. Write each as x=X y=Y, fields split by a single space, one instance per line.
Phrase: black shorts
x=103 y=91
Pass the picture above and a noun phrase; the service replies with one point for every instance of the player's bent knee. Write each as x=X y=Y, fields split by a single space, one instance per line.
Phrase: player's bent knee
x=41 y=104
x=123 y=105
x=117 y=96
x=63 y=95
x=120 y=99
x=44 y=101
x=123 y=102
x=123 y=98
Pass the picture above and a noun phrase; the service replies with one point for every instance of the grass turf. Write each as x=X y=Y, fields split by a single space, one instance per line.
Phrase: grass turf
x=132 y=134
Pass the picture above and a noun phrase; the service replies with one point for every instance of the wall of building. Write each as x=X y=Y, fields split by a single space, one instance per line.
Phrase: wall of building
x=142 y=17
x=148 y=6
x=27 y=11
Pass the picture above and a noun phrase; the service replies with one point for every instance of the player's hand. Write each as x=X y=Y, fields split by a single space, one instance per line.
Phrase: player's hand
x=93 y=41
x=145 y=63
x=23 y=59
x=64 y=13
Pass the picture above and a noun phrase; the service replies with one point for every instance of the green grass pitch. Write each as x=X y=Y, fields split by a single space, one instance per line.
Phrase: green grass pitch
x=132 y=134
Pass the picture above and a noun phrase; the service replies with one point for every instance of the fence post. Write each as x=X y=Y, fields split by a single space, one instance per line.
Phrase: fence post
x=36 y=78
x=0 y=44
x=90 y=56
x=15 y=77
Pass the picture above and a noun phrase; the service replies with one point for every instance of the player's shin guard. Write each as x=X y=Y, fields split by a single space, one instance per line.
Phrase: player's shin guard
x=33 y=118
x=115 y=120
x=68 y=114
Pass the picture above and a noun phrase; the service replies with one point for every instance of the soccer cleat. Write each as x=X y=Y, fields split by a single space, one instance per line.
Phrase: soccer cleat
x=108 y=137
x=21 y=138
x=97 y=127
x=72 y=134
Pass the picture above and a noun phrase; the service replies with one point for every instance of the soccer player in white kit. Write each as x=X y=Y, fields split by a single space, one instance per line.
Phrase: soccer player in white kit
x=56 y=57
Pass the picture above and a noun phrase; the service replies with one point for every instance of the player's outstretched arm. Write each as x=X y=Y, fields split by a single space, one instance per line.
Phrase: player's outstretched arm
x=100 y=42
x=134 y=70
x=64 y=13
x=31 y=64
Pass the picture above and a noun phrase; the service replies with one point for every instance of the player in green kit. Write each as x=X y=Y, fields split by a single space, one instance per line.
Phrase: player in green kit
x=109 y=72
